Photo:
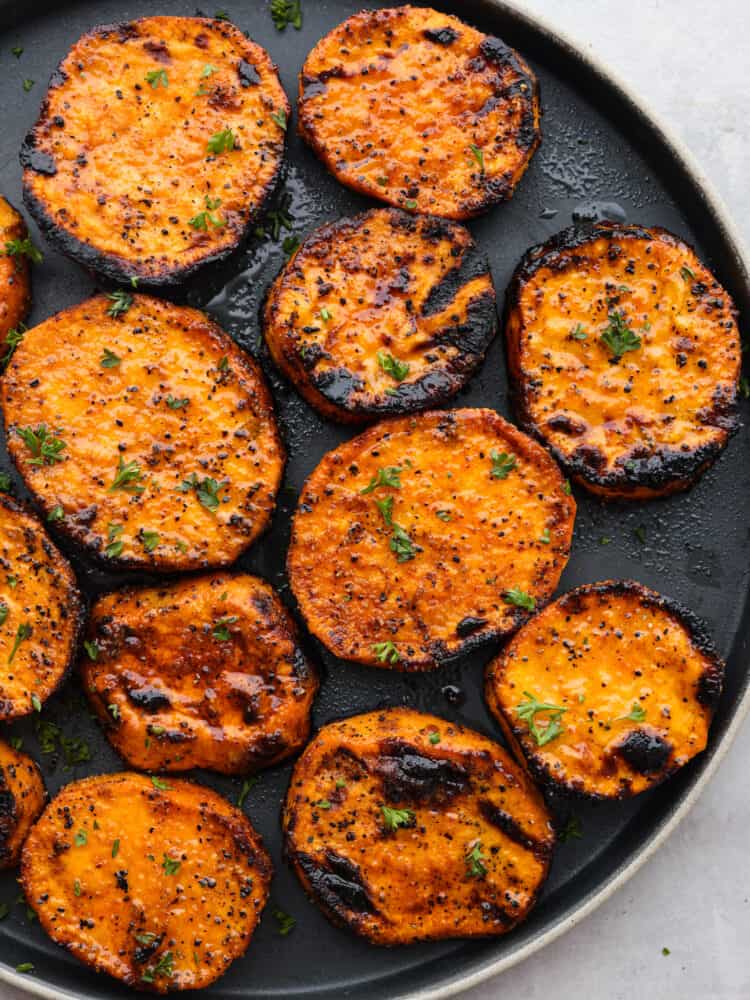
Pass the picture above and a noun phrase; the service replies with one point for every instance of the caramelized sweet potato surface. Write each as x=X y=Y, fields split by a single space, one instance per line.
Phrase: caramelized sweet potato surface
x=207 y=672
x=426 y=535
x=156 y=146
x=148 y=433
x=405 y=827
x=381 y=314
x=416 y=108
x=22 y=798
x=628 y=681
x=40 y=613
x=15 y=280
x=625 y=357
x=158 y=883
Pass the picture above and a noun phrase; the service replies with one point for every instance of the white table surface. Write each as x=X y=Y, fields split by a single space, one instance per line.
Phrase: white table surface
x=689 y=59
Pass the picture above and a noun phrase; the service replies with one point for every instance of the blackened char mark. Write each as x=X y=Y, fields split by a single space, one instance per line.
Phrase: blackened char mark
x=441 y=36
x=505 y=822
x=410 y=776
x=468 y=625
x=36 y=160
x=248 y=74
x=709 y=687
x=144 y=951
x=338 y=385
x=473 y=337
x=8 y=816
x=646 y=752
x=150 y=699
x=338 y=885
x=473 y=265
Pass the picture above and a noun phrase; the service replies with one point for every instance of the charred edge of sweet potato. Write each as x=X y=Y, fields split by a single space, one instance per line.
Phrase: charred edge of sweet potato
x=708 y=690
x=22 y=264
x=492 y=50
x=659 y=474
x=332 y=391
x=9 y=811
x=111 y=266
x=74 y=602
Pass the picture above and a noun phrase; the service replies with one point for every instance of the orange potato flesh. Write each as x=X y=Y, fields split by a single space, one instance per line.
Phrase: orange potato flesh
x=465 y=798
x=161 y=889
x=474 y=537
x=649 y=423
x=636 y=676
x=119 y=163
x=180 y=400
x=40 y=612
x=22 y=798
x=418 y=109
x=363 y=297
x=206 y=672
x=15 y=280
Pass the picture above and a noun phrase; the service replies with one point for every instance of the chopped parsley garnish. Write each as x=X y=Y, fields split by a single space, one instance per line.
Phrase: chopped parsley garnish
x=157 y=78
x=109 y=359
x=279 y=218
x=571 y=831
x=389 y=476
x=401 y=544
x=247 y=785
x=121 y=302
x=25 y=967
x=76 y=888
x=128 y=477
x=207 y=490
x=149 y=540
x=4 y=612
x=637 y=713
x=285 y=12
x=92 y=650
x=223 y=364
x=114 y=711
x=395 y=818
x=410 y=203
x=23 y=248
x=475 y=867
x=114 y=548
x=202 y=219
x=382 y=181
x=23 y=632
x=17 y=51
x=502 y=464
x=478 y=153
x=44 y=447
x=386 y=652
x=323 y=804
x=385 y=506
x=164 y=967
x=160 y=783
x=177 y=404
x=220 y=629
x=208 y=70
x=36 y=703
x=640 y=533
x=56 y=514
x=434 y=738
x=279 y=117
x=221 y=15
x=618 y=337
x=325 y=314
x=27 y=85
x=170 y=866
x=12 y=339
x=520 y=598
x=578 y=333
x=290 y=244
x=286 y=922
x=528 y=711
x=687 y=274
x=81 y=838
x=544 y=538
x=567 y=489
x=222 y=142
x=666 y=951
x=115 y=848
x=398 y=370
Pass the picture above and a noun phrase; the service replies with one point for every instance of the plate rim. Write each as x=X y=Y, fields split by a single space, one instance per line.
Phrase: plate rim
x=719 y=211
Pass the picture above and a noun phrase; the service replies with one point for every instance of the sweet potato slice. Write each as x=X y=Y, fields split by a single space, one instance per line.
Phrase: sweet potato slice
x=404 y=827
x=608 y=691
x=424 y=536
x=22 y=798
x=381 y=314
x=156 y=146
x=40 y=613
x=148 y=436
x=418 y=109
x=158 y=883
x=15 y=280
x=207 y=672
x=625 y=358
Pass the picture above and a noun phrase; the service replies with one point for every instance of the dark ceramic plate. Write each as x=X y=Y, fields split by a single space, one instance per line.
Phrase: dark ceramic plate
x=601 y=156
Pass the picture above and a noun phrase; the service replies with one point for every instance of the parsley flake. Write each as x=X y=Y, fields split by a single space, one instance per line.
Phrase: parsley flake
x=157 y=78
x=502 y=464
x=247 y=785
x=44 y=447
x=285 y=12
x=128 y=477
x=519 y=598
x=475 y=867
x=389 y=476
x=395 y=818
x=222 y=142
x=202 y=219
x=23 y=632
x=279 y=117
x=109 y=359
x=478 y=153
x=170 y=866
x=220 y=629
x=120 y=303
x=618 y=337
x=386 y=652
x=637 y=713
x=92 y=650
x=398 y=370
x=528 y=711
x=286 y=922
x=23 y=248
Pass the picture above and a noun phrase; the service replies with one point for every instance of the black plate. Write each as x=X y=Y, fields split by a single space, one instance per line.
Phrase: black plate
x=600 y=156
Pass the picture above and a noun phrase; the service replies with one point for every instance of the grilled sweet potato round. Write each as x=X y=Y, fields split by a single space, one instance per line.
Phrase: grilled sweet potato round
x=625 y=358
x=381 y=314
x=158 y=883
x=426 y=535
x=608 y=690
x=145 y=432
x=15 y=280
x=40 y=613
x=207 y=672
x=416 y=108
x=22 y=798
x=404 y=827
x=156 y=146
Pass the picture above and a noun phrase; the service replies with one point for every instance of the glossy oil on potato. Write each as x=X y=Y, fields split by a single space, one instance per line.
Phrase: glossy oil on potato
x=40 y=613
x=416 y=108
x=637 y=424
x=22 y=798
x=630 y=680
x=426 y=535
x=405 y=827
x=207 y=672
x=158 y=883
x=381 y=314
x=156 y=146
x=15 y=281
x=160 y=443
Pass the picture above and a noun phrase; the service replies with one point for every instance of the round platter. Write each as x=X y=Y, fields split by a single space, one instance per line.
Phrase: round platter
x=602 y=155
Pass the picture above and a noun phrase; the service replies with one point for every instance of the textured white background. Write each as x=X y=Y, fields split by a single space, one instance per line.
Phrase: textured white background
x=689 y=59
